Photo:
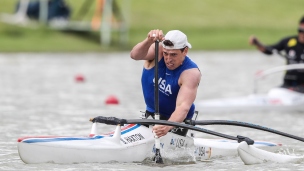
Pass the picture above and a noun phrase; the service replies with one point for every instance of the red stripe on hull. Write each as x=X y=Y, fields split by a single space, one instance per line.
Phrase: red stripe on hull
x=122 y=129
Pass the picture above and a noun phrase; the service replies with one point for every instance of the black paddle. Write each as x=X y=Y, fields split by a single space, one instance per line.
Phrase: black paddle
x=117 y=121
x=244 y=124
x=157 y=158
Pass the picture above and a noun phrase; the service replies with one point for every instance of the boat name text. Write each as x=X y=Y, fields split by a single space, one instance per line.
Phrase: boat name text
x=134 y=138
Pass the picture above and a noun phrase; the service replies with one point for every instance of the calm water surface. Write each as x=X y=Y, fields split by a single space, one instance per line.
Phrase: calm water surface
x=39 y=96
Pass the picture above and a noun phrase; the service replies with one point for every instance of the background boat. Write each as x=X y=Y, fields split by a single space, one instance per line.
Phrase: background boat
x=276 y=99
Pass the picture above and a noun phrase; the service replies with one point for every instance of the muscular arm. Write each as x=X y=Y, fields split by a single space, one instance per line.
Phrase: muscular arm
x=143 y=50
x=188 y=81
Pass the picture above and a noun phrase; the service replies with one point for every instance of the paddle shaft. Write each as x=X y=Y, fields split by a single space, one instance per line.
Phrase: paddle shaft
x=156 y=93
x=245 y=124
x=157 y=158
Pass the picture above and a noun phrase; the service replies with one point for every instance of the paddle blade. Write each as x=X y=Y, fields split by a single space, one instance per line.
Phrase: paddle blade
x=158 y=158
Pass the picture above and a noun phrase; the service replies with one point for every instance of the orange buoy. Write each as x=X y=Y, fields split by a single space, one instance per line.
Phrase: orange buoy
x=79 y=78
x=112 y=100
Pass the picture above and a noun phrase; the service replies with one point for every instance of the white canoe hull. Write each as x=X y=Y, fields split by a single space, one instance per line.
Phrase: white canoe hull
x=131 y=143
x=278 y=99
x=252 y=155
x=99 y=148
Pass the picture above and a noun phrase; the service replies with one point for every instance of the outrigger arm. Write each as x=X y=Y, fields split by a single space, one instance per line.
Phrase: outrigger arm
x=118 y=121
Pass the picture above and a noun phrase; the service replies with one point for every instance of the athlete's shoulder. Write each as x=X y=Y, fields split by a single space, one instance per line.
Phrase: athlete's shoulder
x=288 y=38
x=190 y=62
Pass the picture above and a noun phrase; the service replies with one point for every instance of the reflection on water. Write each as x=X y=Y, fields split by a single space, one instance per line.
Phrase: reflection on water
x=39 y=96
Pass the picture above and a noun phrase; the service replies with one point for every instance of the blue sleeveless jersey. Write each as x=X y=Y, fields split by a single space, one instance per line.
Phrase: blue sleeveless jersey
x=168 y=87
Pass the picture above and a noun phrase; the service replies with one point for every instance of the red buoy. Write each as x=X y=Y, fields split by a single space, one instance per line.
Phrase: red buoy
x=79 y=78
x=112 y=100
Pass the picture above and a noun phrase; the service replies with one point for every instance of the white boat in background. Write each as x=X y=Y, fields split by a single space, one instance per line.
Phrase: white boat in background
x=278 y=99
x=129 y=143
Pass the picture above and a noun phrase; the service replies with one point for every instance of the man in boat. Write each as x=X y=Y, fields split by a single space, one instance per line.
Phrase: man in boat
x=294 y=50
x=179 y=78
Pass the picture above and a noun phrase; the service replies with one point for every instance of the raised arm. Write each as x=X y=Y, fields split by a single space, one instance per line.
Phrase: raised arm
x=145 y=50
x=255 y=42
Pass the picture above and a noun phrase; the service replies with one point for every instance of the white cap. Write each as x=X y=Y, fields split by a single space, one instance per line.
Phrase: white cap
x=178 y=38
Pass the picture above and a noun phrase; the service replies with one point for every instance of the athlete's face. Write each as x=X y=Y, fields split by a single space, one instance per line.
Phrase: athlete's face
x=301 y=33
x=174 y=57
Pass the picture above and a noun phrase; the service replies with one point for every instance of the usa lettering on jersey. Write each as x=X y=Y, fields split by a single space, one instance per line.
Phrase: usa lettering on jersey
x=166 y=88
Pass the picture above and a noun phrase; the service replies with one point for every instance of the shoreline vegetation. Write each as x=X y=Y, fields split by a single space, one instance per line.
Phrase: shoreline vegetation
x=209 y=25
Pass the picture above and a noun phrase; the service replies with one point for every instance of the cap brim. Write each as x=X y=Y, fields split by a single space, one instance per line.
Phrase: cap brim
x=189 y=45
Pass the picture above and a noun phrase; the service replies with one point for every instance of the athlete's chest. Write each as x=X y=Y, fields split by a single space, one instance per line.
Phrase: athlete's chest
x=295 y=54
x=169 y=82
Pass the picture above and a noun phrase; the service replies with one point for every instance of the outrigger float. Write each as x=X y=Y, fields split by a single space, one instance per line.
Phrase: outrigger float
x=133 y=141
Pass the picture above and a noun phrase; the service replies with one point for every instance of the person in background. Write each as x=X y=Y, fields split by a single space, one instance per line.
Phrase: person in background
x=117 y=16
x=179 y=78
x=294 y=50
x=57 y=9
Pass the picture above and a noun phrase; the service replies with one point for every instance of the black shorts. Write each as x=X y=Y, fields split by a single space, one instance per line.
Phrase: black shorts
x=177 y=130
x=294 y=85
